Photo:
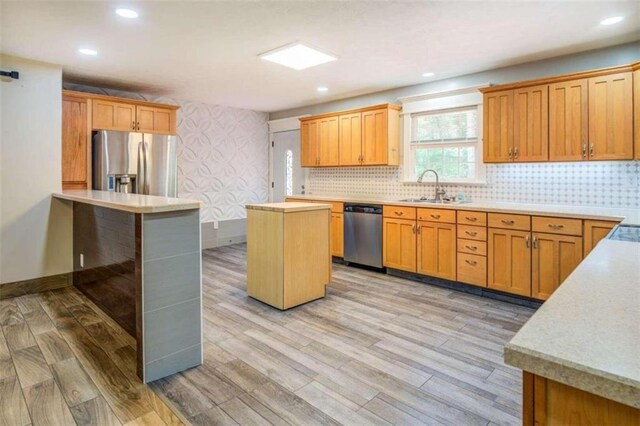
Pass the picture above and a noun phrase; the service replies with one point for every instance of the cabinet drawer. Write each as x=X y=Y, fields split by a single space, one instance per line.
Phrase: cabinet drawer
x=478 y=233
x=510 y=221
x=399 y=212
x=472 y=247
x=472 y=269
x=437 y=215
x=557 y=225
x=472 y=218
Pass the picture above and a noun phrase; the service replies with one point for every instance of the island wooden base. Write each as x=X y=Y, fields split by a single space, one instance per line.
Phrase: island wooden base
x=546 y=402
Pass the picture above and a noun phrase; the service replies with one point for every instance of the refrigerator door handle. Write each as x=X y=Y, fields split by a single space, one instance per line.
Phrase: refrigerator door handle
x=141 y=169
x=146 y=168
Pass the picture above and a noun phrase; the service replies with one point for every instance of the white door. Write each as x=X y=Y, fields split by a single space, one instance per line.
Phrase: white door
x=288 y=176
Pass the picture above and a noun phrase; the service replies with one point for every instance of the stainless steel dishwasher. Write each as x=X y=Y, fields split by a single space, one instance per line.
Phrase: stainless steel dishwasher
x=363 y=234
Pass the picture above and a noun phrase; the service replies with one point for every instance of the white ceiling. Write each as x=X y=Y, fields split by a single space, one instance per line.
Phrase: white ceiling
x=208 y=51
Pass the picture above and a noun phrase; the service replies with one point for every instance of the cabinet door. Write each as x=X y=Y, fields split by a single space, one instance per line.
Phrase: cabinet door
x=437 y=249
x=309 y=143
x=108 y=115
x=554 y=257
x=531 y=124
x=374 y=137
x=350 y=139
x=510 y=261
x=611 y=117
x=155 y=120
x=568 y=120
x=329 y=141
x=498 y=126
x=399 y=244
x=594 y=231
x=636 y=112
x=75 y=133
x=337 y=234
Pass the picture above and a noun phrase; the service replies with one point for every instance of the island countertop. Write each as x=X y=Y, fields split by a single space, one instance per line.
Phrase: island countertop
x=133 y=203
x=288 y=207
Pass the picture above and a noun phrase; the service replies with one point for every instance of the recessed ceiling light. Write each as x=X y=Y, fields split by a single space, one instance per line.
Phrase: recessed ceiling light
x=89 y=52
x=612 y=20
x=297 y=56
x=428 y=74
x=322 y=89
x=127 y=13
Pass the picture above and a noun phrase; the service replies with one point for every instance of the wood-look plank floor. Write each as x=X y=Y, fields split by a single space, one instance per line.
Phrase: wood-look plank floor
x=64 y=362
x=377 y=350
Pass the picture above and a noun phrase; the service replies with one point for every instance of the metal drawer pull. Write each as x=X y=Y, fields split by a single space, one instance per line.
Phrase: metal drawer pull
x=471 y=218
x=526 y=241
x=472 y=233
x=474 y=248
x=435 y=216
x=535 y=242
x=555 y=226
x=398 y=213
x=413 y=228
x=508 y=221
x=471 y=262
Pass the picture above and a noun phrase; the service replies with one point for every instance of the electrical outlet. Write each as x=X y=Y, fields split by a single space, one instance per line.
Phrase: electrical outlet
x=215 y=224
x=81 y=260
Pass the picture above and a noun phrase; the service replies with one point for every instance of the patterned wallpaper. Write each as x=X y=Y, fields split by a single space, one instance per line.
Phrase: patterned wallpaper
x=612 y=184
x=223 y=157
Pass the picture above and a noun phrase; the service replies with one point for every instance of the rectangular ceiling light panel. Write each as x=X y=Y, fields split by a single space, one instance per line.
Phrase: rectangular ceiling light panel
x=297 y=56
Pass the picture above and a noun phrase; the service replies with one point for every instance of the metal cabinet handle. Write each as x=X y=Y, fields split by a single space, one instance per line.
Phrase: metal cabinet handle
x=555 y=226
x=418 y=228
x=535 y=242
x=138 y=125
x=473 y=248
x=584 y=150
x=472 y=233
x=435 y=216
x=133 y=125
x=398 y=213
x=591 y=148
x=508 y=221
x=471 y=218
x=510 y=153
x=413 y=228
x=471 y=262
x=515 y=153
x=527 y=241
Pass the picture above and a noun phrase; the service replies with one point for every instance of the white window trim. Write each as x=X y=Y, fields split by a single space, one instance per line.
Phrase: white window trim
x=458 y=98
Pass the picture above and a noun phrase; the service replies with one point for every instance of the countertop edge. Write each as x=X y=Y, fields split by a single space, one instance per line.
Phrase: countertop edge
x=121 y=206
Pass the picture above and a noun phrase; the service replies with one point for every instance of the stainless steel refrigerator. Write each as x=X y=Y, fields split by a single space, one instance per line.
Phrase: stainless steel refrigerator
x=141 y=163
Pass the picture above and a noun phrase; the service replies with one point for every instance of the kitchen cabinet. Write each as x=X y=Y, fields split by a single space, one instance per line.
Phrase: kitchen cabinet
x=436 y=249
x=150 y=119
x=350 y=141
x=399 y=243
x=568 y=120
x=112 y=115
x=554 y=257
x=594 y=231
x=374 y=137
x=75 y=142
x=498 y=126
x=531 y=124
x=509 y=261
x=309 y=147
x=472 y=269
x=328 y=143
x=337 y=234
x=636 y=110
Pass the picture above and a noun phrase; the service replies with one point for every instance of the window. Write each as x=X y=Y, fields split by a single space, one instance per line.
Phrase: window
x=288 y=172
x=446 y=140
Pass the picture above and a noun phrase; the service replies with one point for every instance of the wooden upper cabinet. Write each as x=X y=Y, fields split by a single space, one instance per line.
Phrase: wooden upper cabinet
x=554 y=257
x=594 y=231
x=399 y=244
x=611 y=117
x=509 y=259
x=75 y=138
x=155 y=120
x=329 y=141
x=498 y=126
x=350 y=139
x=568 y=120
x=636 y=111
x=110 y=115
x=531 y=124
x=374 y=137
x=437 y=249
x=309 y=134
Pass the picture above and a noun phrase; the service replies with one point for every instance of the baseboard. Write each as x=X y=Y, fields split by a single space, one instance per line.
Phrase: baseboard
x=35 y=285
x=227 y=232
x=226 y=241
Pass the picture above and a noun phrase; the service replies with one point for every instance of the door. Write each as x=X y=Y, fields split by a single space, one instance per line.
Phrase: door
x=155 y=120
x=498 y=126
x=374 y=137
x=108 y=115
x=554 y=257
x=329 y=141
x=531 y=124
x=510 y=261
x=399 y=244
x=594 y=231
x=350 y=139
x=309 y=135
x=568 y=120
x=160 y=165
x=286 y=172
x=74 y=142
x=611 y=117
x=437 y=250
x=337 y=234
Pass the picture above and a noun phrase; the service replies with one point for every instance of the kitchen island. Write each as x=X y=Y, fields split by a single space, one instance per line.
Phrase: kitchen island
x=138 y=257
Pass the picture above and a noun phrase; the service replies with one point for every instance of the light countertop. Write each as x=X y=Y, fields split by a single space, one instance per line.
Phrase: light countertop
x=133 y=203
x=288 y=207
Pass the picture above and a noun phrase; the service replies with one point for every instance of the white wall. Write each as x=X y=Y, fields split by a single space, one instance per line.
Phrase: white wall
x=35 y=230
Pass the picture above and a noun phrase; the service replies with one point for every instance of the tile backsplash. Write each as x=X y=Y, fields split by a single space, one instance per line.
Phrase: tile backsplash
x=611 y=184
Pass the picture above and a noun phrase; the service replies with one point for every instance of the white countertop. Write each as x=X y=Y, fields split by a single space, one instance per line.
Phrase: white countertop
x=134 y=203
x=288 y=207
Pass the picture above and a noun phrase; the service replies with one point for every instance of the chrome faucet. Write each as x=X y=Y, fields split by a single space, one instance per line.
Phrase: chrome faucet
x=439 y=191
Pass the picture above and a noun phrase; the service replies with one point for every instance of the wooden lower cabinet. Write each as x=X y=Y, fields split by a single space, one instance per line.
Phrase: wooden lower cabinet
x=399 y=244
x=509 y=261
x=594 y=231
x=554 y=257
x=547 y=402
x=437 y=249
x=472 y=269
x=337 y=234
